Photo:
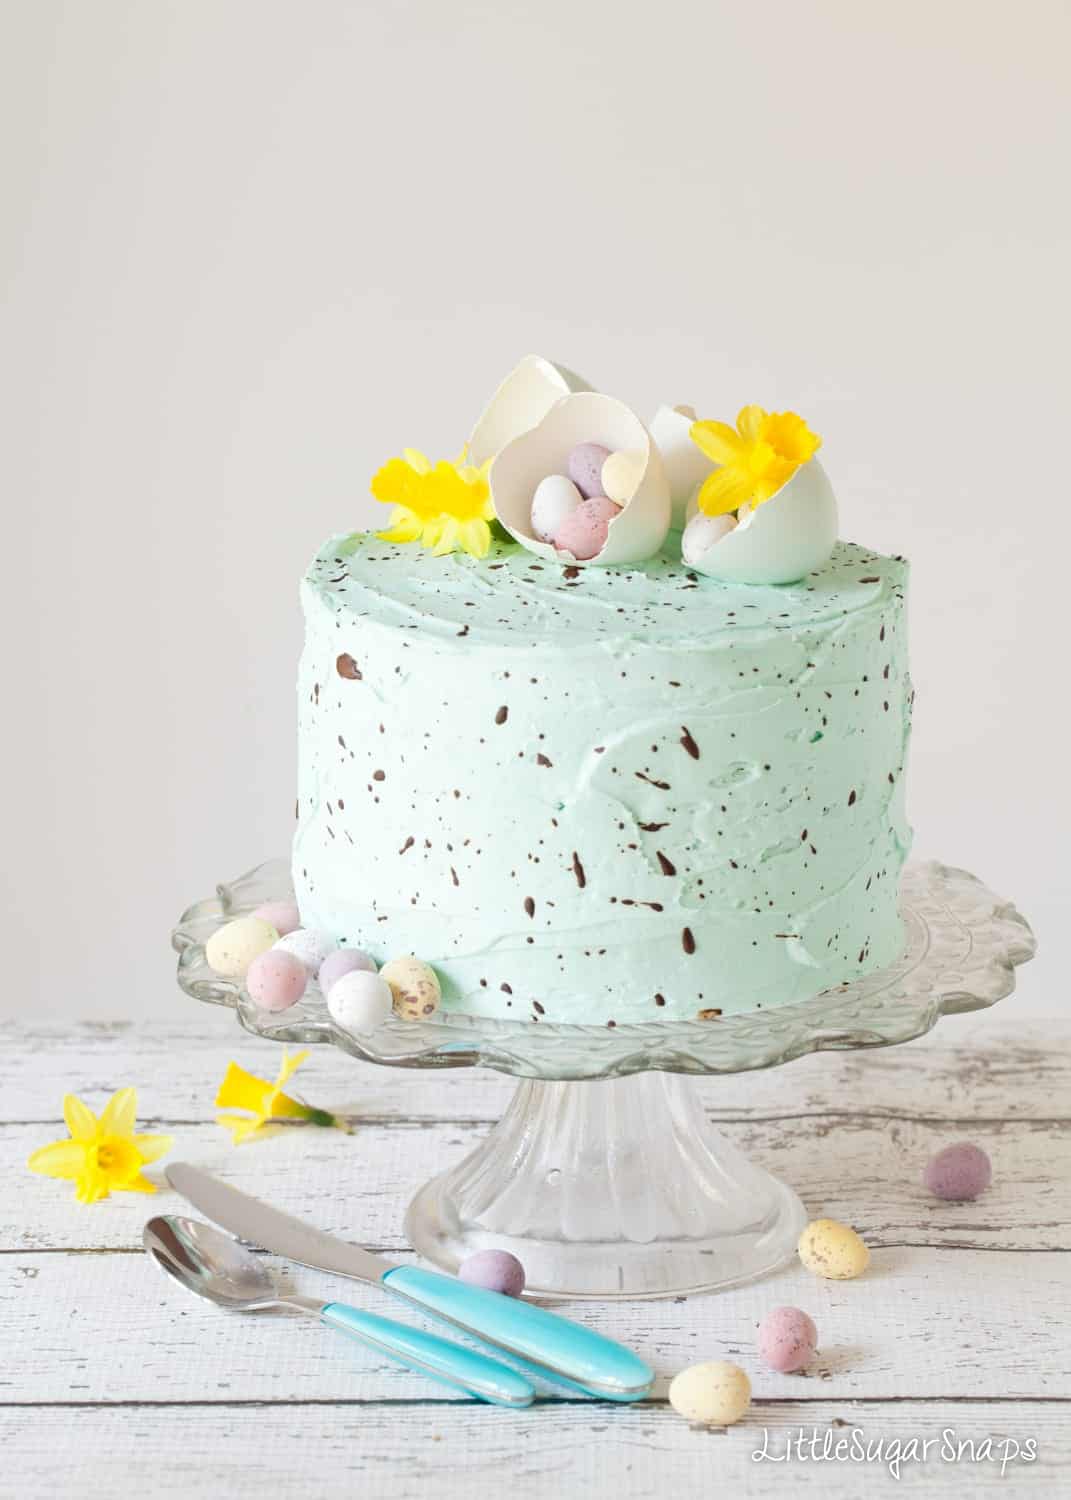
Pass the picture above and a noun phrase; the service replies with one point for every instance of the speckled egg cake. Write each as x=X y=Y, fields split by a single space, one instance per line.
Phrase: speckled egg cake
x=607 y=791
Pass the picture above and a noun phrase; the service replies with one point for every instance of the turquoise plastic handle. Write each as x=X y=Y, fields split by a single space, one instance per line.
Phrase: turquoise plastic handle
x=566 y=1352
x=450 y=1364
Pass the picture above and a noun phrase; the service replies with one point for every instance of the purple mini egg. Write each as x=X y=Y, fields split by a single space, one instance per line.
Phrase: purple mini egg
x=495 y=1271
x=283 y=916
x=584 y=533
x=585 y=467
x=958 y=1173
x=276 y=980
x=342 y=961
x=787 y=1339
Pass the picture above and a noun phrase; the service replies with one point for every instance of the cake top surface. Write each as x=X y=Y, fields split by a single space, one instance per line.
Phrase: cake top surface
x=512 y=598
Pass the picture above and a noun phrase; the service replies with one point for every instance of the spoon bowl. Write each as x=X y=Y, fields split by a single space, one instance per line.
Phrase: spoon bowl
x=208 y=1262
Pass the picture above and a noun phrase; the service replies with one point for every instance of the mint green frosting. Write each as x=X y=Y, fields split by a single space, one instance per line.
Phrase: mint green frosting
x=603 y=794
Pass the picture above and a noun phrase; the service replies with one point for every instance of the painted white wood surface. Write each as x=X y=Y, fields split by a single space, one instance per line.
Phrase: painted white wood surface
x=114 y=1382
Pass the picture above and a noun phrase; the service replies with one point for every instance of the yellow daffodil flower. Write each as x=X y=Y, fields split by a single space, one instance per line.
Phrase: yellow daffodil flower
x=102 y=1155
x=757 y=459
x=445 y=506
x=266 y=1103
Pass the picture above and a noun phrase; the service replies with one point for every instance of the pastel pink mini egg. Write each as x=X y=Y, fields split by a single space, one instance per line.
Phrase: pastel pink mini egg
x=276 y=980
x=584 y=533
x=585 y=467
x=787 y=1339
x=343 y=961
x=495 y=1271
x=283 y=916
x=958 y=1173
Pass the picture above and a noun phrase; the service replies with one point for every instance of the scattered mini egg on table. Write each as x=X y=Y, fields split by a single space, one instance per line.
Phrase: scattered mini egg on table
x=833 y=1250
x=554 y=501
x=360 y=1001
x=716 y=1393
x=310 y=945
x=787 y=1339
x=621 y=475
x=276 y=980
x=232 y=948
x=584 y=532
x=585 y=468
x=414 y=987
x=283 y=915
x=703 y=532
x=958 y=1173
x=495 y=1271
x=343 y=961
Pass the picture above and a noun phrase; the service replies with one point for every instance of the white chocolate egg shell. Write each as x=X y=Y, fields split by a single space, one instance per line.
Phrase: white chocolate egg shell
x=522 y=400
x=783 y=540
x=638 y=531
x=686 y=464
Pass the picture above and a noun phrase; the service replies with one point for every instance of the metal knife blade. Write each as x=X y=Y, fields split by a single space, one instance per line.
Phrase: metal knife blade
x=272 y=1229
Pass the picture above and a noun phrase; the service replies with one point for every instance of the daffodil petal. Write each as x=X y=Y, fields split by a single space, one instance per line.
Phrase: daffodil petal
x=119 y=1113
x=61 y=1159
x=405 y=527
x=475 y=537
x=139 y=1184
x=717 y=440
x=240 y=1090
x=723 y=491
x=152 y=1147
x=240 y=1126
x=289 y=1067
x=416 y=460
x=750 y=422
x=447 y=537
x=81 y=1121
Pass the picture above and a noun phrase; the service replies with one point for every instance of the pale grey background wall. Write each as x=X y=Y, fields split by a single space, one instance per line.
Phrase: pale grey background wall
x=249 y=249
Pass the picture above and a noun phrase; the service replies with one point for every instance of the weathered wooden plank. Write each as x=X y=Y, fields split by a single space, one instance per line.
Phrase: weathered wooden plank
x=439 y=1452
x=970 y=1067
x=852 y=1167
x=934 y=1323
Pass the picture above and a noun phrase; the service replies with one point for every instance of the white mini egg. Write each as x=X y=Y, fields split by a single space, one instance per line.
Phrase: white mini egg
x=360 y=1001
x=621 y=475
x=414 y=986
x=703 y=532
x=310 y=944
x=232 y=948
x=782 y=540
x=555 y=499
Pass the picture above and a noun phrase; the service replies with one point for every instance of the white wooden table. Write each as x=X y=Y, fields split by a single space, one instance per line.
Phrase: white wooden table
x=115 y=1383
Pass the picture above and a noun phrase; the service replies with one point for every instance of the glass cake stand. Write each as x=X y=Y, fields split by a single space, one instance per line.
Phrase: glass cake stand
x=604 y=1176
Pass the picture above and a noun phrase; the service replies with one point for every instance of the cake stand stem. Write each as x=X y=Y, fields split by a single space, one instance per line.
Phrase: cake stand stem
x=611 y=1188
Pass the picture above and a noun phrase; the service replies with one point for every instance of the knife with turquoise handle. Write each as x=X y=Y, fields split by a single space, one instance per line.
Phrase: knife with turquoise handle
x=553 y=1346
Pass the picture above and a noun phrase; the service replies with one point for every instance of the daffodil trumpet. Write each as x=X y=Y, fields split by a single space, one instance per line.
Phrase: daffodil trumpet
x=445 y=506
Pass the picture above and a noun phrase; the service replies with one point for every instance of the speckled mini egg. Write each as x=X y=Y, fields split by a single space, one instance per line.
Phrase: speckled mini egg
x=283 y=916
x=703 y=532
x=309 y=944
x=621 y=475
x=554 y=501
x=276 y=980
x=232 y=948
x=787 y=1339
x=343 y=961
x=958 y=1173
x=414 y=986
x=833 y=1250
x=495 y=1271
x=360 y=1001
x=584 y=533
x=585 y=467
x=716 y=1394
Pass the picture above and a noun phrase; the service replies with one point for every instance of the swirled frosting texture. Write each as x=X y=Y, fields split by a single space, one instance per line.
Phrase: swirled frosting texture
x=604 y=795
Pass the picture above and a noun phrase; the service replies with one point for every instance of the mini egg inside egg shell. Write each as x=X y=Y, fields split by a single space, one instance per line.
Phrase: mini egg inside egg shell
x=637 y=531
x=782 y=540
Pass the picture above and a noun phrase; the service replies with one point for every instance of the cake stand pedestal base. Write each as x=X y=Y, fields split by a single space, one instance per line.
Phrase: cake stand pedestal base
x=613 y=1188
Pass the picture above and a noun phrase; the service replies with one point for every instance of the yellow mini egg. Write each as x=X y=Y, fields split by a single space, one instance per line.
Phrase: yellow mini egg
x=716 y=1394
x=232 y=948
x=621 y=475
x=833 y=1250
x=414 y=987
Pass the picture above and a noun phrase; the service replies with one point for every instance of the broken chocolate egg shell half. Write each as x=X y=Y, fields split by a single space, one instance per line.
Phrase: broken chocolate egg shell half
x=637 y=531
x=685 y=463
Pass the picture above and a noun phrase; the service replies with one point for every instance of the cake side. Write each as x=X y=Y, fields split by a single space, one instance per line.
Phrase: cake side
x=596 y=795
